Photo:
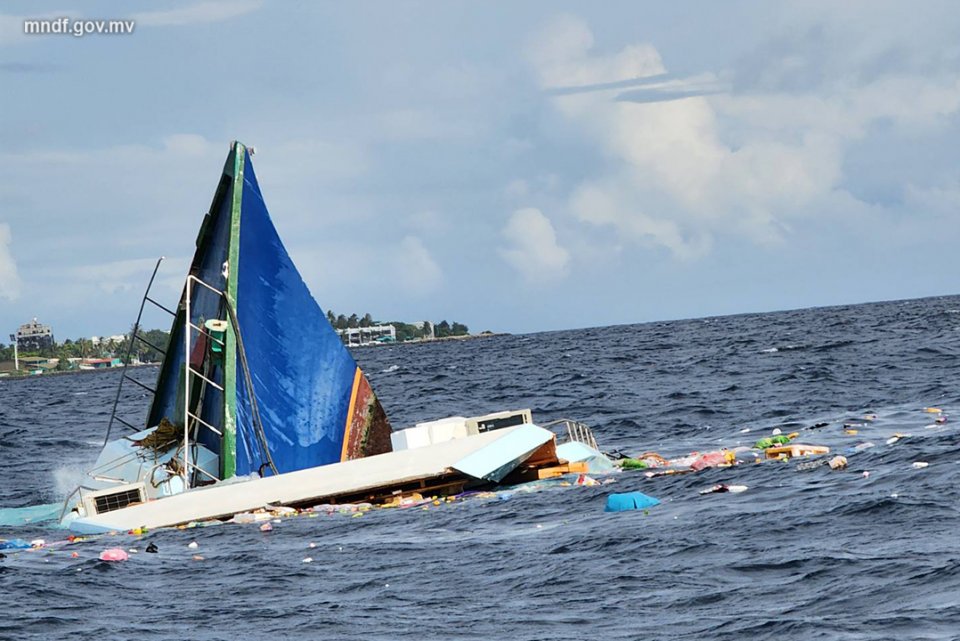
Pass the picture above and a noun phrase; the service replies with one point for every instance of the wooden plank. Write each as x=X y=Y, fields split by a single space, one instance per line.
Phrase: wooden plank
x=580 y=467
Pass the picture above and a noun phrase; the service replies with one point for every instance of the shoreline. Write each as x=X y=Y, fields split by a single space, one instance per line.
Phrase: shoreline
x=422 y=341
x=13 y=375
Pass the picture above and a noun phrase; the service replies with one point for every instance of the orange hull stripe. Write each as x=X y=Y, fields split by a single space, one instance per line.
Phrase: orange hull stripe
x=353 y=402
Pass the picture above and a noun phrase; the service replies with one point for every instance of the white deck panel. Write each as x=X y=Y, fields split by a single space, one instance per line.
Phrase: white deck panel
x=314 y=484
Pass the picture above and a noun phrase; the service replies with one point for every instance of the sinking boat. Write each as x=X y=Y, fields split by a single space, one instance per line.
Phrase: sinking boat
x=258 y=402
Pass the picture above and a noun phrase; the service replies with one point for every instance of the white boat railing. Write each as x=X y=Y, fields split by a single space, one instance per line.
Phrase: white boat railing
x=188 y=372
x=572 y=431
x=135 y=336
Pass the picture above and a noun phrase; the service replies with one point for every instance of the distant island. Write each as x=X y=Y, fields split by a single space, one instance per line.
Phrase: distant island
x=404 y=331
x=45 y=355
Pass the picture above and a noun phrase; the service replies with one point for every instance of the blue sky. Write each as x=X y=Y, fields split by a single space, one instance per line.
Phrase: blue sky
x=514 y=166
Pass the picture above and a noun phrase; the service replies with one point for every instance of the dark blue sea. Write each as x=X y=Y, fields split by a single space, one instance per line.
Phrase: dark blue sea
x=802 y=554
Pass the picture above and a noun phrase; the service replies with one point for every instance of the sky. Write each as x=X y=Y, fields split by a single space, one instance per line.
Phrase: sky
x=516 y=167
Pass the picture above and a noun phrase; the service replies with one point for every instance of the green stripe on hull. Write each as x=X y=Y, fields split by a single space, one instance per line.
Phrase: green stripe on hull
x=228 y=452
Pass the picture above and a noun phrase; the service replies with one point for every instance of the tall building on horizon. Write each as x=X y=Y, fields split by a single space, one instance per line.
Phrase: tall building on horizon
x=34 y=336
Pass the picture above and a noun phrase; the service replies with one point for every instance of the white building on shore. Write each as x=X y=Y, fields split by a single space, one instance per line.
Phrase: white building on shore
x=355 y=336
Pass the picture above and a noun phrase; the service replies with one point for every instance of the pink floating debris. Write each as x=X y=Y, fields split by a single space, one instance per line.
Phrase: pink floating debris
x=710 y=459
x=114 y=554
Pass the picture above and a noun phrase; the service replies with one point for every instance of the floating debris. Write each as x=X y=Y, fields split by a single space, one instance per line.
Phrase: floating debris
x=919 y=465
x=723 y=487
x=114 y=555
x=838 y=463
x=152 y=548
x=193 y=545
x=630 y=501
x=14 y=544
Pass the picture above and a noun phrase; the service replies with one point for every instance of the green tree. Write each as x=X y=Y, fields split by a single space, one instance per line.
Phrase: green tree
x=367 y=320
x=442 y=329
x=405 y=331
x=341 y=322
x=459 y=329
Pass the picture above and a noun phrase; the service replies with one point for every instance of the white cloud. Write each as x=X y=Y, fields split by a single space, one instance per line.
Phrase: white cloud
x=687 y=168
x=9 y=278
x=364 y=271
x=428 y=222
x=413 y=268
x=517 y=189
x=561 y=56
x=128 y=276
x=200 y=13
x=535 y=253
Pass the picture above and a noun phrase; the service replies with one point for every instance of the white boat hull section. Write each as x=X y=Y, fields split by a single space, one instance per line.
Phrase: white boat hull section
x=479 y=456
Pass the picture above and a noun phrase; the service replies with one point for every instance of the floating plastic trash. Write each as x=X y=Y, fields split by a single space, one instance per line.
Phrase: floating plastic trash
x=859 y=447
x=710 y=459
x=152 y=548
x=114 y=554
x=771 y=441
x=795 y=450
x=811 y=465
x=14 y=544
x=193 y=545
x=629 y=501
x=723 y=487
x=919 y=465
x=838 y=462
x=583 y=479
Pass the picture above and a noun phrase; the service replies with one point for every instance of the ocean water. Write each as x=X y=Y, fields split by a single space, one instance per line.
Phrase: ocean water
x=815 y=554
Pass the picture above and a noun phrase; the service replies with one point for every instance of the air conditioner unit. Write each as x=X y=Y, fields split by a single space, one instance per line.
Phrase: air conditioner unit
x=114 y=498
x=498 y=420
